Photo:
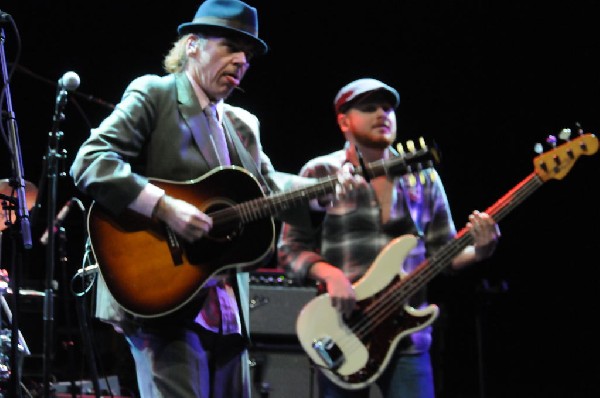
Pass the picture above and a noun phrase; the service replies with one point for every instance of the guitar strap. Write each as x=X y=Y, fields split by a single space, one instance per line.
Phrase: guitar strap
x=240 y=154
x=243 y=315
x=234 y=150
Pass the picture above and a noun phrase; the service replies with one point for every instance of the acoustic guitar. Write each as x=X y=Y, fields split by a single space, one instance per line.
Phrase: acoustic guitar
x=151 y=271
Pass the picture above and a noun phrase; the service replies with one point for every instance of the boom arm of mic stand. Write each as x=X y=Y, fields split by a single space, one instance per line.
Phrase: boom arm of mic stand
x=96 y=100
x=80 y=94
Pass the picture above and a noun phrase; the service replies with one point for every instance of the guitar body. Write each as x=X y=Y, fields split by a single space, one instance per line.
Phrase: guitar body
x=348 y=358
x=135 y=254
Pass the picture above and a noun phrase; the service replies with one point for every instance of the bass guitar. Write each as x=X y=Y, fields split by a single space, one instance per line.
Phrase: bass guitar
x=354 y=352
x=151 y=271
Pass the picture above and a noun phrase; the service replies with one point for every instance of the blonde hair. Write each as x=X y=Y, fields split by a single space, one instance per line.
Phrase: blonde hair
x=177 y=58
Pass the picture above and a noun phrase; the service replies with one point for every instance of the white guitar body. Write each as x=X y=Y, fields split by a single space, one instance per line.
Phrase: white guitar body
x=350 y=360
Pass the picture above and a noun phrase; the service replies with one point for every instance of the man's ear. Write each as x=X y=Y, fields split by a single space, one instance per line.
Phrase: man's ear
x=343 y=122
x=192 y=46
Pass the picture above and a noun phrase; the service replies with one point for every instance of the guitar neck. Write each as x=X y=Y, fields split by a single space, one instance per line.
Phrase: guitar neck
x=271 y=205
x=554 y=164
x=440 y=260
x=400 y=165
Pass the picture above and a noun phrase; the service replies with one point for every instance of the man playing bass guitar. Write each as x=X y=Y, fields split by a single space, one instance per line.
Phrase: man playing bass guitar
x=355 y=228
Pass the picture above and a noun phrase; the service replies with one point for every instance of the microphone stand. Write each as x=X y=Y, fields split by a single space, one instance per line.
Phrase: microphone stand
x=69 y=344
x=52 y=159
x=22 y=216
x=86 y=96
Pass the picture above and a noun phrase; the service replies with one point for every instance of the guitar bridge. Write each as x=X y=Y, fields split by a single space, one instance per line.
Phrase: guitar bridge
x=329 y=352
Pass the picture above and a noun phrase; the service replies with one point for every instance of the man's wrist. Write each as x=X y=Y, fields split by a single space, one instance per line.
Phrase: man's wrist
x=158 y=207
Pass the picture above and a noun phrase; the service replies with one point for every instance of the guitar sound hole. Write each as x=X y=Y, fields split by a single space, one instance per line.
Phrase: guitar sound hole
x=224 y=234
x=227 y=226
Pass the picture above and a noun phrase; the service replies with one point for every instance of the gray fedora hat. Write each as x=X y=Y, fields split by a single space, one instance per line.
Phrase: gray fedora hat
x=230 y=16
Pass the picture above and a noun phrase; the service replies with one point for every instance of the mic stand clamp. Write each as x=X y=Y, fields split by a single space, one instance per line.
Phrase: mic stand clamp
x=59 y=116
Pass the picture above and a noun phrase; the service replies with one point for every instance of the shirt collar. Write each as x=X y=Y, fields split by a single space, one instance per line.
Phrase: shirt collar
x=203 y=98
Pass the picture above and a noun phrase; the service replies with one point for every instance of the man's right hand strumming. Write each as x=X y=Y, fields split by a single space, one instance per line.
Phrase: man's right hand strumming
x=183 y=218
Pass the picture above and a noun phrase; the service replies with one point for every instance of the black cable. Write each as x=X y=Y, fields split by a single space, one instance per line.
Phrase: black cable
x=87 y=97
x=86 y=276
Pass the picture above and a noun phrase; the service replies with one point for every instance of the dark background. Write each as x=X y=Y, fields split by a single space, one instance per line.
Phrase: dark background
x=485 y=80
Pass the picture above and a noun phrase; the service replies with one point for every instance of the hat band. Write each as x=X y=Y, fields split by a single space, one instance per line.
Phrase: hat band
x=226 y=23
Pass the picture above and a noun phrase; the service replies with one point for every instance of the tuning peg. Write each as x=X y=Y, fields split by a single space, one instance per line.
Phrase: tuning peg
x=422 y=177
x=564 y=134
x=400 y=149
x=432 y=176
x=551 y=140
x=422 y=143
x=579 y=128
x=410 y=145
x=538 y=148
x=412 y=180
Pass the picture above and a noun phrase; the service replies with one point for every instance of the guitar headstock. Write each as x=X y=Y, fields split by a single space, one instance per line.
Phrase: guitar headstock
x=556 y=163
x=411 y=159
x=426 y=154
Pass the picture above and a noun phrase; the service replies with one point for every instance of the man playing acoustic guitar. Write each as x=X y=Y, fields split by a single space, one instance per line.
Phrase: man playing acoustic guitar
x=158 y=169
x=356 y=228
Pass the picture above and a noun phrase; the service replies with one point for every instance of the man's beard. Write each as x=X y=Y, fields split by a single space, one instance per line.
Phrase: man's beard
x=373 y=144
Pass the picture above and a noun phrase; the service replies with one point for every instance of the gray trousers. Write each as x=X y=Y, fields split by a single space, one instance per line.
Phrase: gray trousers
x=176 y=362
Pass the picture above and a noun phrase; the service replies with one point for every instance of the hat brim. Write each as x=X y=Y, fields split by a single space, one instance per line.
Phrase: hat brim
x=191 y=27
x=370 y=95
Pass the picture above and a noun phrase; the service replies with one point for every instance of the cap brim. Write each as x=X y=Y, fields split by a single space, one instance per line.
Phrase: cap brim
x=361 y=97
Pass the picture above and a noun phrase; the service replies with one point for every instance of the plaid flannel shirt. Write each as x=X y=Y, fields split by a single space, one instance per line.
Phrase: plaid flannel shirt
x=349 y=233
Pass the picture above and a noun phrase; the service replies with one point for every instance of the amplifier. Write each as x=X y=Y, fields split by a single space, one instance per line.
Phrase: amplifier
x=275 y=303
x=281 y=371
x=279 y=367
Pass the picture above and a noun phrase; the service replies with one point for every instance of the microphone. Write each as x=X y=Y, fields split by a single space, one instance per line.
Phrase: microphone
x=4 y=16
x=85 y=96
x=69 y=81
x=60 y=217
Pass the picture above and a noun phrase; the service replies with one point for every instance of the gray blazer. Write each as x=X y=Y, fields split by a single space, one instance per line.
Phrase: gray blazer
x=156 y=131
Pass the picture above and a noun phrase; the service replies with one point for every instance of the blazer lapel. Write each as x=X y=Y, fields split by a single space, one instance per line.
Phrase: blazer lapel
x=194 y=118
